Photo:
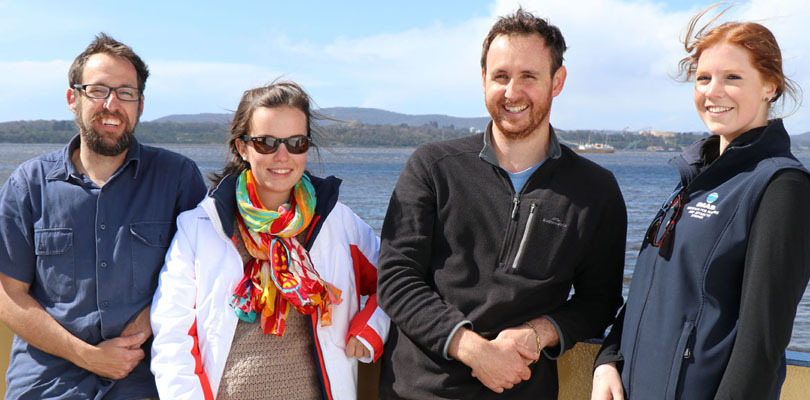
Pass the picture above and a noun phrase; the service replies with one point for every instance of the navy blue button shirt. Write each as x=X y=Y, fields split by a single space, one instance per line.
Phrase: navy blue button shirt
x=92 y=257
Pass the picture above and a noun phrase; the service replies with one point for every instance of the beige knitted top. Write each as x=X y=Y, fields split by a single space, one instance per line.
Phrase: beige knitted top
x=263 y=366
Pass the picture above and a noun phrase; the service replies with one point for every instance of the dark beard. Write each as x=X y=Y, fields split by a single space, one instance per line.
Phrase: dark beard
x=95 y=141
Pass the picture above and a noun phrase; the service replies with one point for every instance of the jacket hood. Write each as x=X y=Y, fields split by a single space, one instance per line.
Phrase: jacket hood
x=326 y=193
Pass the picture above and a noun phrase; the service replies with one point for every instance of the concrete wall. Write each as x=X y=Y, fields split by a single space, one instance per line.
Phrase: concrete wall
x=797 y=384
x=5 y=349
x=574 y=368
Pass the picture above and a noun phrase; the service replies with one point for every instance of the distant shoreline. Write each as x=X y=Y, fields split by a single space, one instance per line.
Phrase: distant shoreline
x=357 y=134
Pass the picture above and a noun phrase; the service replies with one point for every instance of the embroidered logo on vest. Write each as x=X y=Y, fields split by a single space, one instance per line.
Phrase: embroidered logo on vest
x=704 y=209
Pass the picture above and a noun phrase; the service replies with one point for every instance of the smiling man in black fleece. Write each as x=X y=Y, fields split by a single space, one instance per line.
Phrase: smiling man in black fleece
x=485 y=236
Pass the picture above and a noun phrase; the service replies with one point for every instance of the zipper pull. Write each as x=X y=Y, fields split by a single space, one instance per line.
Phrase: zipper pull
x=515 y=204
x=687 y=354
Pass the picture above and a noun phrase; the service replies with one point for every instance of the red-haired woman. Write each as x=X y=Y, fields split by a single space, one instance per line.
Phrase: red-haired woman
x=724 y=264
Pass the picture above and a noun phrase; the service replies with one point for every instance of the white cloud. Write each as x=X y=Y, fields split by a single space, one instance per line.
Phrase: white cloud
x=429 y=69
x=34 y=90
x=623 y=56
x=32 y=76
x=621 y=59
x=173 y=87
x=788 y=19
x=176 y=87
x=622 y=63
x=415 y=69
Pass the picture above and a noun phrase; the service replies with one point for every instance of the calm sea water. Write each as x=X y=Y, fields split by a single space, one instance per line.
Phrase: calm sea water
x=369 y=176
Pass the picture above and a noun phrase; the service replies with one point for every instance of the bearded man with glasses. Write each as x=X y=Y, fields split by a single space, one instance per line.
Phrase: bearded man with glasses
x=85 y=230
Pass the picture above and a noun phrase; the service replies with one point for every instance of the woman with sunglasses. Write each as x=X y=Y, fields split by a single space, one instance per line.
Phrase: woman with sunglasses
x=725 y=262
x=260 y=295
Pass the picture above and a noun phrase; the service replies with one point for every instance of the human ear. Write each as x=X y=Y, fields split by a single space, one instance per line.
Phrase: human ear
x=71 y=99
x=769 y=91
x=240 y=148
x=558 y=80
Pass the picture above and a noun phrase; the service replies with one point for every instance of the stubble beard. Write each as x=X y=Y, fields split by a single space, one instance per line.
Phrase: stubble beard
x=539 y=114
x=97 y=142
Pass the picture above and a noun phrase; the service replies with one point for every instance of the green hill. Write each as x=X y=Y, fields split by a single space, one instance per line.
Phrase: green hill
x=353 y=133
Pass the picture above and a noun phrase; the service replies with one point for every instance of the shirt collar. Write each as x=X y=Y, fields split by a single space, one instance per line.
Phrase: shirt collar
x=488 y=151
x=65 y=168
x=133 y=156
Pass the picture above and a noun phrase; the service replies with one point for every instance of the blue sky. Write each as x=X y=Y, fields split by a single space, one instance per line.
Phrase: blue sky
x=415 y=57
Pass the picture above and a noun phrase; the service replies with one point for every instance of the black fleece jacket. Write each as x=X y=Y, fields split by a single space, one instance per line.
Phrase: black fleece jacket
x=451 y=255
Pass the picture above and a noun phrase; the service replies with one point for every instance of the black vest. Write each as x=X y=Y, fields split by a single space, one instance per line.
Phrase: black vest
x=683 y=306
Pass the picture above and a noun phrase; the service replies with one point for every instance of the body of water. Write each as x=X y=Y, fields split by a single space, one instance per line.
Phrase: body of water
x=369 y=176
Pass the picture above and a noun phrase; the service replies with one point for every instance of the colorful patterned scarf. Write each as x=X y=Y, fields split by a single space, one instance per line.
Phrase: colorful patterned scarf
x=281 y=272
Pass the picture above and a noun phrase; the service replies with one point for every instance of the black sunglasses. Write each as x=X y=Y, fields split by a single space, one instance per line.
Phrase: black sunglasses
x=268 y=144
x=672 y=208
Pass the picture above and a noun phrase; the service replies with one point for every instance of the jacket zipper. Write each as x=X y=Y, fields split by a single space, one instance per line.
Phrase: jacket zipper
x=526 y=232
x=685 y=342
x=503 y=256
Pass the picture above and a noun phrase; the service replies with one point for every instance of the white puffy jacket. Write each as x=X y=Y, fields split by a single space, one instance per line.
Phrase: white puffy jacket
x=194 y=325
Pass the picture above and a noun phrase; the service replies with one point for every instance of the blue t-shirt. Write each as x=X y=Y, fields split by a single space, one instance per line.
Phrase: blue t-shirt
x=92 y=257
x=519 y=178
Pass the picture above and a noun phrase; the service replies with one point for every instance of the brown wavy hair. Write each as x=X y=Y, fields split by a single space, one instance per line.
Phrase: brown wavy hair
x=104 y=43
x=275 y=94
x=524 y=23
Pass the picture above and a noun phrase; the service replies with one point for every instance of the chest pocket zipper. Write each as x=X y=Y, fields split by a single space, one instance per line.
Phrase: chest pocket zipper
x=526 y=232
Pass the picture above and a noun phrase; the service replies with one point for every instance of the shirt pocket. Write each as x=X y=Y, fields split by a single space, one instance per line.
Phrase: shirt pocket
x=150 y=240
x=56 y=266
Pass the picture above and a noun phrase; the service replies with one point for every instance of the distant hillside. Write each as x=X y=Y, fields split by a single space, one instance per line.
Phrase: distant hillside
x=147 y=132
x=368 y=116
x=352 y=133
x=151 y=132
x=801 y=140
x=373 y=116
x=630 y=140
x=345 y=134
x=224 y=118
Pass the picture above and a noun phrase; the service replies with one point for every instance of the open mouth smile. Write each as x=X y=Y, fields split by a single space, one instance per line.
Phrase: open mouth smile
x=110 y=122
x=516 y=109
x=718 y=109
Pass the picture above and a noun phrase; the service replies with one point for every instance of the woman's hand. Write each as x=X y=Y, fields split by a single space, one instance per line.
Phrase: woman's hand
x=355 y=348
x=607 y=383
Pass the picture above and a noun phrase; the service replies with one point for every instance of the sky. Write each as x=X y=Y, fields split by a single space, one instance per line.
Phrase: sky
x=414 y=57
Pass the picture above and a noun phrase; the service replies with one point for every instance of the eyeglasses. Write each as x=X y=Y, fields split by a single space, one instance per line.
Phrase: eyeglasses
x=672 y=208
x=268 y=144
x=95 y=91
